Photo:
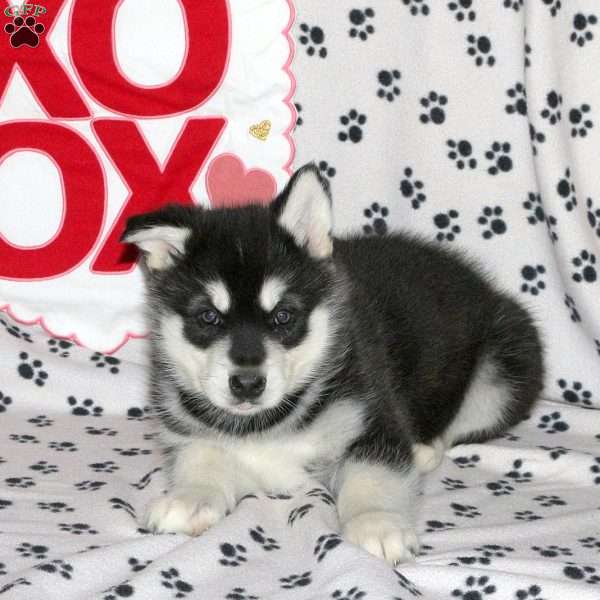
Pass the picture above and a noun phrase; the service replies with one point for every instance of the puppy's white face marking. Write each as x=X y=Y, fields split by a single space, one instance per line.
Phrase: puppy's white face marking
x=219 y=295
x=271 y=293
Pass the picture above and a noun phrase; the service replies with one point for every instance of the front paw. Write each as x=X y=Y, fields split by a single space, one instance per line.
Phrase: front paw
x=383 y=534
x=190 y=511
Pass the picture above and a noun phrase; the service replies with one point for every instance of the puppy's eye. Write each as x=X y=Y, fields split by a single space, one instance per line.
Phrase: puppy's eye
x=282 y=317
x=210 y=317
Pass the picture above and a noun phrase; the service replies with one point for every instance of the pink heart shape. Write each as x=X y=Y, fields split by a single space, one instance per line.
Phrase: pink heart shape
x=230 y=184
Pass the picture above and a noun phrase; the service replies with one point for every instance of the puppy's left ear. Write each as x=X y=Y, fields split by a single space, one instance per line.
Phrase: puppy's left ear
x=304 y=210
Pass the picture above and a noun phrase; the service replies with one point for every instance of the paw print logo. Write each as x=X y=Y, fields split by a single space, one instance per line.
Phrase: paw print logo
x=518 y=96
x=44 y=467
x=171 y=580
x=361 y=26
x=259 y=536
x=461 y=152
x=417 y=7
x=412 y=189
x=32 y=370
x=85 y=408
x=325 y=544
x=526 y=515
x=36 y=551
x=466 y=462
x=566 y=189
x=580 y=121
x=581 y=573
x=233 y=555
x=388 y=84
x=476 y=588
x=491 y=220
x=582 y=29
x=102 y=361
x=434 y=113
x=552 y=112
x=313 y=38
x=500 y=488
x=59 y=347
x=353 y=122
x=552 y=423
x=533 y=205
x=552 y=551
x=533 y=283
x=554 y=5
x=585 y=263
x=465 y=510
x=5 y=402
x=376 y=215
x=298 y=513
x=446 y=223
x=499 y=156
x=352 y=594
x=463 y=10
x=593 y=216
x=574 y=393
x=480 y=48
x=24 y=32
x=292 y=581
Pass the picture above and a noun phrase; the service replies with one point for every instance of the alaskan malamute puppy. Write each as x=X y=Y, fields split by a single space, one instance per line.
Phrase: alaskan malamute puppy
x=280 y=353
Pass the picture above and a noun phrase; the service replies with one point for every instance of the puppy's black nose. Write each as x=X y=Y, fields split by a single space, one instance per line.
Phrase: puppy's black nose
x=247 y=385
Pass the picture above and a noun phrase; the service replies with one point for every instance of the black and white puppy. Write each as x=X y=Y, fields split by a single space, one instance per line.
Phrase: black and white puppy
x=280 y=353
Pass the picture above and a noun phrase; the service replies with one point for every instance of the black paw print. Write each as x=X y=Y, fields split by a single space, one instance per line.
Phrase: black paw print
x=462 y=10
x=32 y=370
x=566 y=190
x=476 y=588
x=536 y=137
x=388 y=84
x=517 y=475
x=570 y=304
x=55 y=507
x=352 y=594
x=582 y=32
x=325 y=544
x=85 y=408
x=16 y=331
x=20 y=482
x=595 y=468
x=555 y=451
x=361 y=26
x=171 y=580
x=145 y=479
x=89 y=486
x=500 y=488
x=292 y=581
x=527 y=50
x=590 y=542
x=554 y=5
x=239 y=593
x=138 y=565
x=120 y=504
x=533 y=282
x=518 y=96
x=132 y=451
x=353 y=122
x=62 y=446
x=313 y=38
x=466 y=462
x=580 y=121
x=57 y=567
x=77 y=528
x=5 y=503
x=39 y=421
x=526 y=515
x=44 y=467
x=453 y=484
x=5 y=401
x=533 y=205
x=122 y=590
x=322 y=495
x=278 y=496
x=417 y=7
x=461 y=153
x=499 y=156
x=552 y=551
x=100 y=431
x=465 y=510
x=552 y=112
x=376 y=214
x=491 y=220
x=298 y=513
x=26 y=550
x=433 y=103
x=326 y=170
x=574 y=393
x=480 y=47
x=585 y=263
x=593 y=216
x=581 y=573
x=267 y=543
x=412 y=189
x=137 y=413
x=552 y=423
x=59 y=347
x=233 y=555
x=24 y=438
x=435 y=525
x=485 y=554
x=445 y=222
x=102 y=361
x=299 y=119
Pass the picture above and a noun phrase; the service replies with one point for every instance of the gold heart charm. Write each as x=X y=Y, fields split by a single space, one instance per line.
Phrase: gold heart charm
x=261 y=130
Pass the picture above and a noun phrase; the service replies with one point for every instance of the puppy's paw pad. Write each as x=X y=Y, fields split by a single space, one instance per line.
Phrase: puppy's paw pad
x=383 y=535
x=182 y=513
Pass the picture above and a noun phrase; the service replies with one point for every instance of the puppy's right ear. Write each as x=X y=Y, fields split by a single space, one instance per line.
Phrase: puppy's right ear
x=160 y=235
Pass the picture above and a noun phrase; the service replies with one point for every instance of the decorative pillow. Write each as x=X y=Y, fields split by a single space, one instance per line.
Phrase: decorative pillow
x=113 y=108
